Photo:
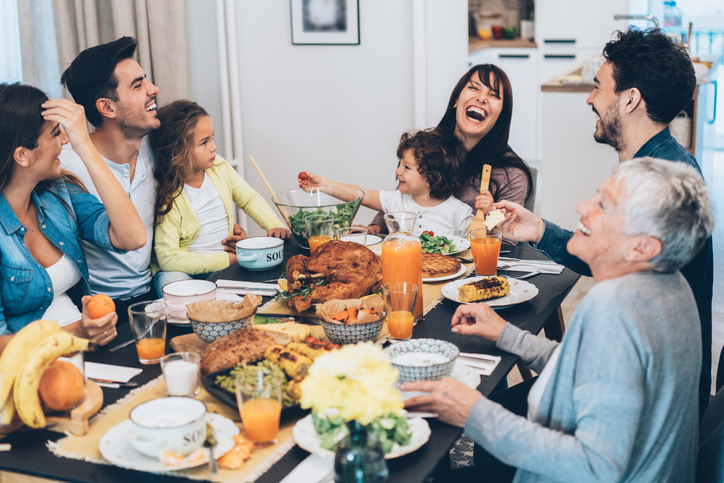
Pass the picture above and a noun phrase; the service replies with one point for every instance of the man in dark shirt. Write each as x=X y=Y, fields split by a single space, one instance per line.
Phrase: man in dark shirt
x=644 y=83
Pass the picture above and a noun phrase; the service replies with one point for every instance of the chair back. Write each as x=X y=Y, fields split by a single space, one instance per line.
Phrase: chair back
x=710 y=461
x=530 y=202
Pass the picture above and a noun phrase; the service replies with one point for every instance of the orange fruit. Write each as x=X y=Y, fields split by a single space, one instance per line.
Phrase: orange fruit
x=62 y=386
x=100 y=305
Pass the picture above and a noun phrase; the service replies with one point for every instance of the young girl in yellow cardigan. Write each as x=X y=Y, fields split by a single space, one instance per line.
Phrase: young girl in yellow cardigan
x=195 y=196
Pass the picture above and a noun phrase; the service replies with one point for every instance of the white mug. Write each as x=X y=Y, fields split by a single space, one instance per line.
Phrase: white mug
x=176 y=424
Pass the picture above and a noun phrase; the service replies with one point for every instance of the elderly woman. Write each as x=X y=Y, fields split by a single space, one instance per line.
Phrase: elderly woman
x=479 y=113
x=46 y=213
x=616 y=400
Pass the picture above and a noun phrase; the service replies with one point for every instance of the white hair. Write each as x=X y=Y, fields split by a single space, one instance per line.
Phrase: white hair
x=667 y=200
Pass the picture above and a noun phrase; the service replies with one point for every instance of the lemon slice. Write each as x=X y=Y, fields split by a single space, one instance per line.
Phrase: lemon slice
x=282 y=282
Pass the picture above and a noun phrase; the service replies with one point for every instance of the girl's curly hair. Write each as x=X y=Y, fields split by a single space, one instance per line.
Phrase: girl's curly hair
x=172 y=145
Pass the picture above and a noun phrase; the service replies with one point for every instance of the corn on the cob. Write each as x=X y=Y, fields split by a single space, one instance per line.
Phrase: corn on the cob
x=293 y=363
x=484 y=289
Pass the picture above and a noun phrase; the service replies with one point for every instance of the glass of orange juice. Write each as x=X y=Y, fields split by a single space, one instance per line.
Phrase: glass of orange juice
x=319 y=229
x=259 y=396
x=148 y=324
x=400 y=300
x=486 y=250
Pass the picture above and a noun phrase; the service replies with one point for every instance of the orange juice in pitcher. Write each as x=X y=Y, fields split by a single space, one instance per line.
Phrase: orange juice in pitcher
x=402 y=254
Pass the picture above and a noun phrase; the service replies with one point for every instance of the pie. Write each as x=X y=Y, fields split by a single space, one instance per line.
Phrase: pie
x=435 y=265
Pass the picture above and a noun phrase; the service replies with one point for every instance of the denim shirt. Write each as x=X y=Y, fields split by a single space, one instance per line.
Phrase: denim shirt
x=699 y=272
x=26 y=290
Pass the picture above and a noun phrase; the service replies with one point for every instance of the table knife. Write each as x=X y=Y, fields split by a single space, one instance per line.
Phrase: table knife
x=121 y=346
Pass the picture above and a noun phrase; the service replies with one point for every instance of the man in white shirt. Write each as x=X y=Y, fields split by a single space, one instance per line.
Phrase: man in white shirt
x=121 y=104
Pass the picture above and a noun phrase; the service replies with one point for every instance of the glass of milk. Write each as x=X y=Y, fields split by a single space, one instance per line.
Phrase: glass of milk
x=181 y=371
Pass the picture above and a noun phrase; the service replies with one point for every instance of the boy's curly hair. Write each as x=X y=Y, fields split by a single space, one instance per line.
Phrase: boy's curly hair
x=439 y=156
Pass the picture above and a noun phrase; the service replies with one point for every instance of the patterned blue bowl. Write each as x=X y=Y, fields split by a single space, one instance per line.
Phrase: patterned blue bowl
x=353 y=333
x=432 y=372
x=210 y=331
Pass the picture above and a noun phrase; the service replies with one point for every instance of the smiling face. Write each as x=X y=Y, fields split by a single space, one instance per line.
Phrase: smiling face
x=605 y=102
x=409 y=178
x=136 y=105
x=600 y=240
x=204 y=149
x=477 y=110
x=44 y=160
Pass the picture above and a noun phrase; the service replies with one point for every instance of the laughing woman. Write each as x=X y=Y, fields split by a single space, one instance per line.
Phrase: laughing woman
x=479 y=113
x=45 y=214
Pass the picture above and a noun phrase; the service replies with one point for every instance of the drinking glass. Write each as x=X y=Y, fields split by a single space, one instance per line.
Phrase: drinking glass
x=400 y=300
x=181 y=371
x=352 y=234
x=260 y=405
x=319 y=229
x=148 y=324
x=486 y=250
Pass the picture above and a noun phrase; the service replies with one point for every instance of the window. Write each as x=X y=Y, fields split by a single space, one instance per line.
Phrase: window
x=11 y=68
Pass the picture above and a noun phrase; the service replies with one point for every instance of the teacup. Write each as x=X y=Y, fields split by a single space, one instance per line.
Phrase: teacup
x=181 y=292
x=173 y=423
x=260 y=253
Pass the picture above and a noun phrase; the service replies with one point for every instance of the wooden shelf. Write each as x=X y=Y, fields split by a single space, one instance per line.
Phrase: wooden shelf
x=476 y=45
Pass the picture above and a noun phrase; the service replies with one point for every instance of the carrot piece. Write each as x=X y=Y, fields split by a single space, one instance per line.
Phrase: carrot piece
x=341 y=316
x=351 y=316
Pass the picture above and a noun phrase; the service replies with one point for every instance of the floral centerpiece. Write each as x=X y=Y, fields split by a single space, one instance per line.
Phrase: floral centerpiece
x=355 y=384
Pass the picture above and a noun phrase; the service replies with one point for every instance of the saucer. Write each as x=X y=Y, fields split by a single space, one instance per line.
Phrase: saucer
x=115 y=446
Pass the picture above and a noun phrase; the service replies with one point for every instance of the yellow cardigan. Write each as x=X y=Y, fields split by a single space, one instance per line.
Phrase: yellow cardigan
x=180 y=227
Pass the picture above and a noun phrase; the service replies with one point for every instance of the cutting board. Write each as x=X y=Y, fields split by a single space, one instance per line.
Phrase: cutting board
x=188 y=343
x=77 y=422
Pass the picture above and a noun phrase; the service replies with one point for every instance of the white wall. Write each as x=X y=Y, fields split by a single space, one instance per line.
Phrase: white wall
x=334 y=110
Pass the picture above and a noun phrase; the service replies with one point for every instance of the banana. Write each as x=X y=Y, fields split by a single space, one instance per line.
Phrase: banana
x=25 y=387
x=7 y=412
x=17 y=350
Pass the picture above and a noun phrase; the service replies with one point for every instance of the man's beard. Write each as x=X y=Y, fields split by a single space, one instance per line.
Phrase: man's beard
x=610 y=131
x=138 y=129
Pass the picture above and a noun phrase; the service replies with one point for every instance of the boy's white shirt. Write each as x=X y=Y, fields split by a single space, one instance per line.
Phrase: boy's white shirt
x=452 y=217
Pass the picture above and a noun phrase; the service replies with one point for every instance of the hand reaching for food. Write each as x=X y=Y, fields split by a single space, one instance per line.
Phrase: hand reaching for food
x=309 y=180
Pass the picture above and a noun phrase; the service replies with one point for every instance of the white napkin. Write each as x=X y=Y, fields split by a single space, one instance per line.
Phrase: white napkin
x=543 y=266
x=482 y=364
x=241 y=287
x=109 y=372
x=314 y=469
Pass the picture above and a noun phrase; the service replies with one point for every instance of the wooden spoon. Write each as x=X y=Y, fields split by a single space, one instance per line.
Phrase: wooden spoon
x=479 y=220
x=261 y=175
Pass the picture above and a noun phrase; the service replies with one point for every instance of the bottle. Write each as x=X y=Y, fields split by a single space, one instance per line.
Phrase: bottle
x=359 y=457
x=672 y=14
x=402 y=254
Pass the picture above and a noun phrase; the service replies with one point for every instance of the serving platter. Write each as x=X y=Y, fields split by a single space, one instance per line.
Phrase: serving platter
x=520 y=291
x=307 y=438
x=209 y=382
x=116 y=447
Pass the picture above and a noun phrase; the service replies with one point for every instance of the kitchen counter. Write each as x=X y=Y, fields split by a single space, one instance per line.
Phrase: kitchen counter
x=476 y=45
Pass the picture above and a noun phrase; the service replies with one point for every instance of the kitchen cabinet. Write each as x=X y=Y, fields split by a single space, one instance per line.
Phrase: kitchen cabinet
x=571 y=24
x=521 y=67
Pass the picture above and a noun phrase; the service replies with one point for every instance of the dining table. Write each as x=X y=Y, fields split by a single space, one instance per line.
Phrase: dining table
x=31 y=458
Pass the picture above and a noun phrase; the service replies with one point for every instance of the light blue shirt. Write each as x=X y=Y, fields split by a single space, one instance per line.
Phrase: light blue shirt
x=121 y=276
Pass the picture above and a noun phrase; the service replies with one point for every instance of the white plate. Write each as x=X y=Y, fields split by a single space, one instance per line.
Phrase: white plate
x=462 y=270
x=520 y=291
x=307 y=439
x=373 y=240
x=219 y=296
x=115 y=446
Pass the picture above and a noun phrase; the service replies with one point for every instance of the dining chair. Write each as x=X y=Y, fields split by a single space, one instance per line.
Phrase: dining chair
x=710 y=460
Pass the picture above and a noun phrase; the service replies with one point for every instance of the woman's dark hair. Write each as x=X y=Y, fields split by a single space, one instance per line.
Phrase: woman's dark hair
x=649 y=61
x=439 y=156
x=91 y=75
x=493 y=149
x=21 y=124
x=172 y=145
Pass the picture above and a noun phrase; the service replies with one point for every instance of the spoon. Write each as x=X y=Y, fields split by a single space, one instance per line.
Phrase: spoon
x=213 y=464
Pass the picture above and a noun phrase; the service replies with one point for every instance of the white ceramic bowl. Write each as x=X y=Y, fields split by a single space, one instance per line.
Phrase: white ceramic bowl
x=178 y=294
x=174 y=423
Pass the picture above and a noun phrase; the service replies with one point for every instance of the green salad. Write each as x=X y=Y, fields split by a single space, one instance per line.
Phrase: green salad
x=389 y=430
x=342 y=217
x=436 y=244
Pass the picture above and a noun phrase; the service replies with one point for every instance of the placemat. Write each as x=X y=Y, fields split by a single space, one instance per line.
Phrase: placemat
x=86 y=447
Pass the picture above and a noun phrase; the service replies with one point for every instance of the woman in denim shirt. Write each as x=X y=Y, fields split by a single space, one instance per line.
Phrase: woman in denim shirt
x=45 y=213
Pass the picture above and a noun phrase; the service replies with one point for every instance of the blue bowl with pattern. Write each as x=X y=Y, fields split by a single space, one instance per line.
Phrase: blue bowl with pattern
x=210 y=331
x=351 y=334
x=423 y=359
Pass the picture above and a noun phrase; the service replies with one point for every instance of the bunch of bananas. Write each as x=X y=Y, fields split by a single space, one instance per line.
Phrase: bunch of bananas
x=22 y=364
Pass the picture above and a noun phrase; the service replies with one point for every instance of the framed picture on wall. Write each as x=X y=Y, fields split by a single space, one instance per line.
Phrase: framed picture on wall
x=325 y=22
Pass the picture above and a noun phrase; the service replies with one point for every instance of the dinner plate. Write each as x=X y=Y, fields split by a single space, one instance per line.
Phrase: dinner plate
x=219 y=296
x=306 y=437
x=373 y=240
x=462 y=270
x=461 y=244
x=115 y=446
x=520 y=291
